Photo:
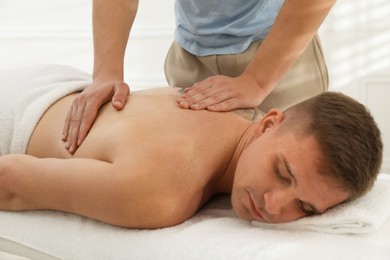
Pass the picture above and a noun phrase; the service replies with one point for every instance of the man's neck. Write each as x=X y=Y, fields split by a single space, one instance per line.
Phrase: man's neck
x=224 y=183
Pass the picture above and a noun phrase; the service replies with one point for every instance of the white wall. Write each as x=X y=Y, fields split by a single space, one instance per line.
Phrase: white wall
x=356 y=39
x=355 y=36
x=53 y=31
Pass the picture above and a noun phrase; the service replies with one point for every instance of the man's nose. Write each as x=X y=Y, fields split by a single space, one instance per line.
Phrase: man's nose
x=275 y=201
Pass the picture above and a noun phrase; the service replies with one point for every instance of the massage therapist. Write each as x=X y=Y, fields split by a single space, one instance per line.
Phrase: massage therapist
x=226 y=54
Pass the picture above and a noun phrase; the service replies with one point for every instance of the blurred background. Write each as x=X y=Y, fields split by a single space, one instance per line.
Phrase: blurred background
x=355 y=37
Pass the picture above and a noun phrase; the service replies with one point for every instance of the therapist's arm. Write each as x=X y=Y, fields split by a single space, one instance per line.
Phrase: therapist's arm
x=294 y=27
x=112 y=22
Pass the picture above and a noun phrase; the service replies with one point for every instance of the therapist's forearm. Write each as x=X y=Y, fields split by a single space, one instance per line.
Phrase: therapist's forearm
x=294 y=28
x=112 y=22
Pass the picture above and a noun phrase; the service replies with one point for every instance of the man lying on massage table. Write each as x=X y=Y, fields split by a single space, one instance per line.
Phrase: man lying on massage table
x=154 y=165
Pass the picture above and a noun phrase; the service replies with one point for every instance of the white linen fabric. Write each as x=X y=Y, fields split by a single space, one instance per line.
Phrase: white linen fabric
x=26 y=93
x=214 y=233
x=363 y=215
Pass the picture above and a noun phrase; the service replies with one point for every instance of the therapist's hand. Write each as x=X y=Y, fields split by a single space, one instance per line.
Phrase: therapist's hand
x=85 y=107
x=222 y=93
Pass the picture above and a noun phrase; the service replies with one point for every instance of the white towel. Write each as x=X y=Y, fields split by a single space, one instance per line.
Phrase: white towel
x=214 y=233
x=26 y=93
x=363 y=215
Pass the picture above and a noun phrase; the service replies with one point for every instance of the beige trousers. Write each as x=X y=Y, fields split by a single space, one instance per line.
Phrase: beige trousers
x=307 y=77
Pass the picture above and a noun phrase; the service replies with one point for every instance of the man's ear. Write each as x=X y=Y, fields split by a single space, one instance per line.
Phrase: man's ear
x=272 y=119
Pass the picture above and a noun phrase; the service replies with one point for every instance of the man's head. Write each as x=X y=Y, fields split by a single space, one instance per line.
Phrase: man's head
x=349 y=139
x=317 y=154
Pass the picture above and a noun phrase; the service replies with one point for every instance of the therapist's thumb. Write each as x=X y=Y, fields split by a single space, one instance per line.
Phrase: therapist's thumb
x=121 y=91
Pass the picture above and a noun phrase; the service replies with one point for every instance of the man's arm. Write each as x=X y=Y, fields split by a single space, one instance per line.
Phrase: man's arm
x=294 y=27
x=111 y=193
x=112 y=22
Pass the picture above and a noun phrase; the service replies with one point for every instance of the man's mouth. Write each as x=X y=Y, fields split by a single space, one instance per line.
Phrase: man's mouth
x=254 y=212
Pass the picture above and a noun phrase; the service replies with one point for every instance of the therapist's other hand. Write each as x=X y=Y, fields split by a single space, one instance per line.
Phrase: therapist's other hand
x=221 y=93
x=85 y=107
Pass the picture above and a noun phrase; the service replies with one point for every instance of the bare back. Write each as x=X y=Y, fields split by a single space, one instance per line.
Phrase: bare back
x=150 y=123
x=176 y=153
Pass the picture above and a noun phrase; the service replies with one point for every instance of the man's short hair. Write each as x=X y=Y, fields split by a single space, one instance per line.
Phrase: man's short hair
x=348 y=136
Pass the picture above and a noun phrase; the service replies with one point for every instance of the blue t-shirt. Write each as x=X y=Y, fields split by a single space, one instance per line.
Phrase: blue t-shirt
x=206 y=27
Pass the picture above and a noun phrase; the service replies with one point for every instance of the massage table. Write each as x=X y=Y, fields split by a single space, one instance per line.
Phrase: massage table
x=214 y=233
x=355 y=230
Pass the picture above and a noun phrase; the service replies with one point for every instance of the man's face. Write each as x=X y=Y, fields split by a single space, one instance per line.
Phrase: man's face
x=277 y=180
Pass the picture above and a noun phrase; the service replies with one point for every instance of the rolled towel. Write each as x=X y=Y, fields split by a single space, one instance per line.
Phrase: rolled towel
x=363 y=215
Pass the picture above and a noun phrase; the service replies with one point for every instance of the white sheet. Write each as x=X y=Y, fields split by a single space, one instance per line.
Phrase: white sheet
x=214 y=233
x=363 y=215
x=26 y=93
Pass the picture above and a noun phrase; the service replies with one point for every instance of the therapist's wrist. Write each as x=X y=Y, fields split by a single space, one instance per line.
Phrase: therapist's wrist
x=107 y=73
x=264 y=85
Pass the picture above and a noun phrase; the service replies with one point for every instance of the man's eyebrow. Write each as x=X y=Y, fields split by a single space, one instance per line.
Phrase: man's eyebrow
x=292 y=175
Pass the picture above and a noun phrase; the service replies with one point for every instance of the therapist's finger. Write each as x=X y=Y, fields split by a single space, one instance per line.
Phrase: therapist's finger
x=224 y=106
x=87 y=119
x=201 y=96
x=75 y=123
x=70 y=123
x=199 y=90
x=121 y=91
x=195 y=89
x=66 y=127
x=211 y=98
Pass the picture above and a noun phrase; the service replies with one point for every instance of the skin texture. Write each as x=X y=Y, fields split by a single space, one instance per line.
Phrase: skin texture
x=282 y=182
x=157 y=165
x=294 y=27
